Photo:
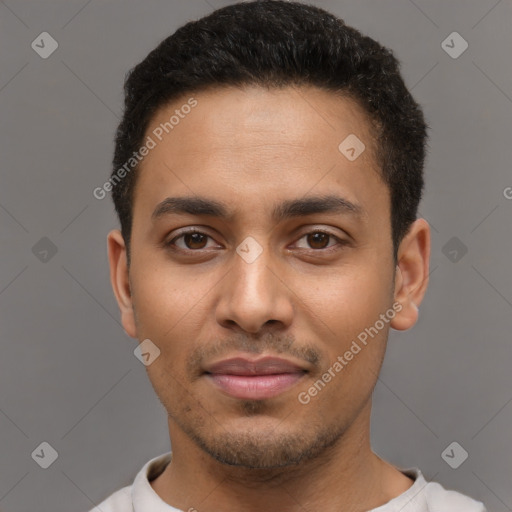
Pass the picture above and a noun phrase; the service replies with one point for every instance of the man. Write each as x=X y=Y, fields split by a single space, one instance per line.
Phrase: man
x=267 y=174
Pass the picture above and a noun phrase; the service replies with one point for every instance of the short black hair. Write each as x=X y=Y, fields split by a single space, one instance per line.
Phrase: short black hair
x=275 y=43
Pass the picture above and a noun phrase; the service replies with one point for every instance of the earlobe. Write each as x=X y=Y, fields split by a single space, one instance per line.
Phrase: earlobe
x=119 y=279
x=411 y=276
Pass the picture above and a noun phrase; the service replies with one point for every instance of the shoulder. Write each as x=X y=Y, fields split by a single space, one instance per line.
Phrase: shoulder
x=120 y=501
x=440 y=499
x=432 y=496
x=139 y=492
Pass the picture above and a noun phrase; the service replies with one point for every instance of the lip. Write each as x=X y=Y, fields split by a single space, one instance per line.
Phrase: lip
x=257 y=379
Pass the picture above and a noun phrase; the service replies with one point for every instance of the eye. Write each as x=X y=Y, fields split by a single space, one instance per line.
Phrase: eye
x=193 y=240
x=319 y=240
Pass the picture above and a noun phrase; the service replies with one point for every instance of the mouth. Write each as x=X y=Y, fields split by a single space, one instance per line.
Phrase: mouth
x=254 y=379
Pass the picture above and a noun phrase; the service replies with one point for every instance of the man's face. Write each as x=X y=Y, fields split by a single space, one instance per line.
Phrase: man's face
x=255 y=285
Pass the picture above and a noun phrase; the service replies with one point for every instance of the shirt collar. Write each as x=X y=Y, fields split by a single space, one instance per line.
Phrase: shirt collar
x=145 y=498
x=412 y=499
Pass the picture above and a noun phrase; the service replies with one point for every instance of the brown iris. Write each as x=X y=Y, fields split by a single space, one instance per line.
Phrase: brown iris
x=315 y=239
x=192 y=240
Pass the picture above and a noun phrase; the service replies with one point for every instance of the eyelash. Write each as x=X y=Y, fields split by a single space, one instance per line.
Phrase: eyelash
x=171 y=244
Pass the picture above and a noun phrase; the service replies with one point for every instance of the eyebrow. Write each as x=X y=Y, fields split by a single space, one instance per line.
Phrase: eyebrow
x=195 y=205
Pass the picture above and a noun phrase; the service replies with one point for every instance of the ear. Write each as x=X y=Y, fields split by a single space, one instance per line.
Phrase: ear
x=411 y=277
x=119 y=279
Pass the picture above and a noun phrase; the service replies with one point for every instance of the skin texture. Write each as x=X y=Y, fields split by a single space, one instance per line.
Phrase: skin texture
x=305 y=299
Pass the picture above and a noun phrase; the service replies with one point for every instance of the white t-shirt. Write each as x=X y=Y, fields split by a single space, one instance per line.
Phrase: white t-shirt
x=422 y=496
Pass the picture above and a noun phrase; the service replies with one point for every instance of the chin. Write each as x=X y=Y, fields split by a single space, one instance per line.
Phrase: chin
x=265 y=443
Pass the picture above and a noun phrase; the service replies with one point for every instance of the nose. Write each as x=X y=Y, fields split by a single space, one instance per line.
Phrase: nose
x=254 y=296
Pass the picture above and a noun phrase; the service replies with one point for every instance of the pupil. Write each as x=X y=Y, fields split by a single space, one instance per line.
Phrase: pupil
x=317 y=238
x=193 y=238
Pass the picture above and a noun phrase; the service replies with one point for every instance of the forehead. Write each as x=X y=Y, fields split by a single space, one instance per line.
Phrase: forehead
x=248 y=146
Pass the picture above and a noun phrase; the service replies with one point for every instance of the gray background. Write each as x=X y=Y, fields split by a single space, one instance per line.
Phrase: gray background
x=68 y=375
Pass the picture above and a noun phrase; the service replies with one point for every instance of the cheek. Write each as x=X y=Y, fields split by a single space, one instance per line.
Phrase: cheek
x=348 y=298
x=166 y=311
x=343 y=311
x=164 y=295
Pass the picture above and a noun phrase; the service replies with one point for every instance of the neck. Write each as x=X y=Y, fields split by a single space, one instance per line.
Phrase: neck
x=347 y=477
